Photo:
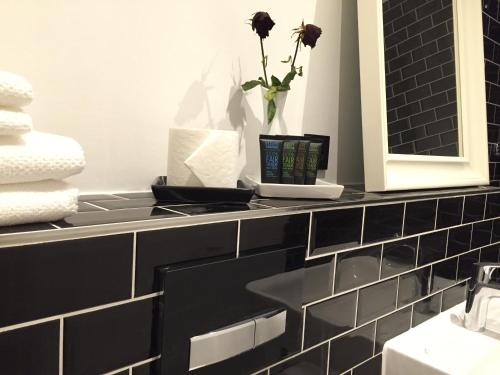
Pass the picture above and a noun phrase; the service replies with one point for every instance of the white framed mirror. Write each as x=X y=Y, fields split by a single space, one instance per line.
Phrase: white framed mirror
x=423 y=94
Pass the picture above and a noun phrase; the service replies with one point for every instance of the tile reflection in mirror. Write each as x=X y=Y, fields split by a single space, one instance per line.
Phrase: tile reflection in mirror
x=420 y=78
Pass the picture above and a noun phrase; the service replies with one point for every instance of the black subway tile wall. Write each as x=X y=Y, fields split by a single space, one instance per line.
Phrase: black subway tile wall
x=491 y=30
x=420 y=77
x=90 y=305
x=371 y=272
x=59 y=277
x=31 y=350
x=280 y=232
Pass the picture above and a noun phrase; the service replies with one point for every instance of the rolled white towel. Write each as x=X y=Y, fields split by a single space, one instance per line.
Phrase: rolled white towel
x=14 y=122
x=37 y=156
x=37 y=202
x=15 y=91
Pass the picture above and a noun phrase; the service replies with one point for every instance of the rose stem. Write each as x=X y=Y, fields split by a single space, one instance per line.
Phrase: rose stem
x=263 y=61
x=296 y=50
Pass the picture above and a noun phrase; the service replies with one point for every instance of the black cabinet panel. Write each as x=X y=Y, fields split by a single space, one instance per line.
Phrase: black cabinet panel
x=30 y=350
x=313 y=362
x=163 y=247
x=330 y=318
x=205 y=298
x=53 y=278
x=151 y=368
x=383 y=222
x=108 y=339
x=336 y=230
x=274 y=233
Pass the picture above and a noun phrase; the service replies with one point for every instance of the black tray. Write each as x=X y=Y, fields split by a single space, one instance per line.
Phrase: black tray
x=196 y=194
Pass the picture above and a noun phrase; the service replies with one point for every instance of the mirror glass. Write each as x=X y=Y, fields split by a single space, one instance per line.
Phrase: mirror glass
x=421 y=80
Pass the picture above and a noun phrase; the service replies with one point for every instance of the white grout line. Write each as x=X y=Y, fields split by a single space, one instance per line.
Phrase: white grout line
x=327 y=254
x=485 y=205
x=328 y=358
x=404 y=219
x=238 y=239
x=117 y=196
x=96 y=206
x=129 y=367
x=55 y=226
x=26 y=238
x=362 y=226
x=381 y=261
x=375 y=338
x=304 y=311
x=418 y=251
x=353 y=329
x=174 y=211
x=335 y=259
x=393 y=276
x=134 y=254
x=411 y=316
x=397 y=292
x=463 y=209
x=356 y=309
x=309 y=236
x=61 y=345
x=436 y=217
x=78 y=312
x=447 y=241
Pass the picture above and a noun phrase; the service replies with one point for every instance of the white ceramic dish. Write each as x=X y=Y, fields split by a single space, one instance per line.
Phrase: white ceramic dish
x=322 y=190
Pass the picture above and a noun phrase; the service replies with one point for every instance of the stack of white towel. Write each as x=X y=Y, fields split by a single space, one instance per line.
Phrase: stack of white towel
x=33 y=164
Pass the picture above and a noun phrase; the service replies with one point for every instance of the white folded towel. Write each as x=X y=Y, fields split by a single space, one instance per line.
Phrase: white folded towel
x=37 y=202
x=14 y=122
x=15 y=91
x=39 y=156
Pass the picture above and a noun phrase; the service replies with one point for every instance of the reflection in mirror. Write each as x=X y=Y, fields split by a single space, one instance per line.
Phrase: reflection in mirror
x=421 y=84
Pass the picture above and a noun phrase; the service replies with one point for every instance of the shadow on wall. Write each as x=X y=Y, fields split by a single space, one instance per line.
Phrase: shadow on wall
x=333 y=103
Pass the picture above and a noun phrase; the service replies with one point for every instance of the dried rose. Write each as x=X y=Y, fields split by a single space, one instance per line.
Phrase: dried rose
x=262 y=24
x=310 y=34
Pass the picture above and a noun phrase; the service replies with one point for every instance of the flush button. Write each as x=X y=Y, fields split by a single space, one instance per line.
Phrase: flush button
x=269 y=327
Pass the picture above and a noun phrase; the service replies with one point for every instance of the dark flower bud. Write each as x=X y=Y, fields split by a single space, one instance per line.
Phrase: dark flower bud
x=262 y=23
x=310 y=35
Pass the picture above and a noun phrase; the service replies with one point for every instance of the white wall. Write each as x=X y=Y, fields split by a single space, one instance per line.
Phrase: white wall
x=116 y=74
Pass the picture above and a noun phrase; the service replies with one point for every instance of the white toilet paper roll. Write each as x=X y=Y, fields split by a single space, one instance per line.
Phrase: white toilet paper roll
x=202 y=157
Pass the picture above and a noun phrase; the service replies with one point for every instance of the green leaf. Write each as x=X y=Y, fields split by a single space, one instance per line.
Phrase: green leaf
x=299 y=71
x=288 y=78
x=289 y=60
x=283 y=88
x=263 y=82
x=271 y=93
x=250 y=85
x=275 y=81
x=271 y=111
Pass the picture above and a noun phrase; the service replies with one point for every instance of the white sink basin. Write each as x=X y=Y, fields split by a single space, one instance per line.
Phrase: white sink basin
x=441 y=346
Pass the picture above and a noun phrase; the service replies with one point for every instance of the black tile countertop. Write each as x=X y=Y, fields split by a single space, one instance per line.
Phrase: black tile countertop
x=136 y=211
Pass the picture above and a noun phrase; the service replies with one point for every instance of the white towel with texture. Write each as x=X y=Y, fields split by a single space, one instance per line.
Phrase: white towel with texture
x=37 y=156
x=37 y=202
x=14 y=122
x=15 y=91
